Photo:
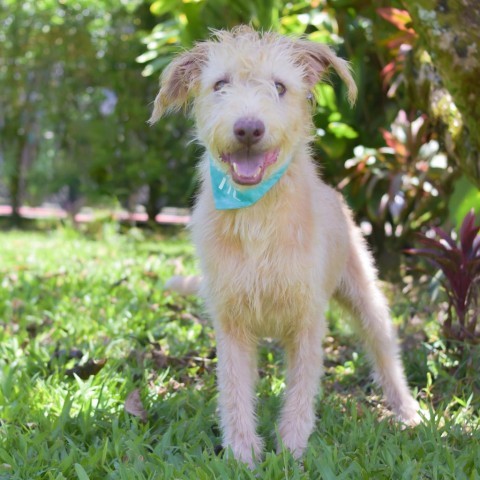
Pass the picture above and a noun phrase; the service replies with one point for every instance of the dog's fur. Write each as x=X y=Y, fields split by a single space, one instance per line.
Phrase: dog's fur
x=270 y=269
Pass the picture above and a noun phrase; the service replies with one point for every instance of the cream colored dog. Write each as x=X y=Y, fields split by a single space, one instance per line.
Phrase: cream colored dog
x=269 y=269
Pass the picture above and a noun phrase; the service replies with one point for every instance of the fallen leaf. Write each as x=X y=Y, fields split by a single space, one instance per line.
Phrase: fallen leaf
x=134 y=405
x=171 y=386
x=160 y=359
x=91 y=367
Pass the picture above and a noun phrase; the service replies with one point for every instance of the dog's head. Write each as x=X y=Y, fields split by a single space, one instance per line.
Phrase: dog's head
x=250 y=96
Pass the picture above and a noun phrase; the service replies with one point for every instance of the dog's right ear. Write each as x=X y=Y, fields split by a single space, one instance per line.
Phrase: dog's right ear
x=178 y=81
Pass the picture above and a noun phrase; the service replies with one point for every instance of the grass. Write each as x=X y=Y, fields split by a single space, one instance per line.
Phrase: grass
x=72 y=305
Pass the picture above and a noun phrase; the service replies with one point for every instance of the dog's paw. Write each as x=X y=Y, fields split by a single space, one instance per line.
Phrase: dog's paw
x=246 y=451
x=293 y=446
x=410 y=414
x=293 y=439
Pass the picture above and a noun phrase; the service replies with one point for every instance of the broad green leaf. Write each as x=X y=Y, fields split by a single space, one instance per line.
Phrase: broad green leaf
x=342 y=130
x=465 y=196
x=325 y=95
x=147 y=56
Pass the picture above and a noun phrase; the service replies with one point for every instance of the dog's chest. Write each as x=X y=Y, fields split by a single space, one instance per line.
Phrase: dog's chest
x=266 y=250
x=261 y=274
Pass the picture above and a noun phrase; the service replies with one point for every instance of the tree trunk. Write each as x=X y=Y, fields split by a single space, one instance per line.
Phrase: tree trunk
x=23 y=159
x=450 y=31
x=14 y=192
x=152 y=207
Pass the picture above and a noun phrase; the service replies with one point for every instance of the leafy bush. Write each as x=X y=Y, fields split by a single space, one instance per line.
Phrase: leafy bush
x=460 y=264
x=401 y=186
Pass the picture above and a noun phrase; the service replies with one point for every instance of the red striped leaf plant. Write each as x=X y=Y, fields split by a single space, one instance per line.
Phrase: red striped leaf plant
x=459 y=261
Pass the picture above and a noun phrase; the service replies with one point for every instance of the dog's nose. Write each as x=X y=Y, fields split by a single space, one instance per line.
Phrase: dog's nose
x=249 y=130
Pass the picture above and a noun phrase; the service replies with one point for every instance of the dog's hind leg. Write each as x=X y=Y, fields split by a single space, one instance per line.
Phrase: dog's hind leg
x=304 y=369
x=360 y=294
x=237 y=374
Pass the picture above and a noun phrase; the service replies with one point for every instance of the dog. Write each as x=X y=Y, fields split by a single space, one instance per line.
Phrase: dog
x=275 y=243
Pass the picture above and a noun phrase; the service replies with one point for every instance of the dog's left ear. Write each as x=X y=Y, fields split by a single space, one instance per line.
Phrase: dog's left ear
x=316 y=58
x=178 y=81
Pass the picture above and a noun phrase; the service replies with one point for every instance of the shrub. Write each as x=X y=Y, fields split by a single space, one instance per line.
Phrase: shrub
x=460 y=265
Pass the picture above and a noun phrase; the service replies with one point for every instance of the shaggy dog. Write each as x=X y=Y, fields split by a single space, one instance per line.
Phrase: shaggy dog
x=275 y=242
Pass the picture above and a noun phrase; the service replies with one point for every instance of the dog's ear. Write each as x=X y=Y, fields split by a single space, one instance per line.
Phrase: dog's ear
x=178 y=81
x=316 y=58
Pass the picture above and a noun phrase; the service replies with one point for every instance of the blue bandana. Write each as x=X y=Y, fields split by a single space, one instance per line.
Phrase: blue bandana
x=230 y=196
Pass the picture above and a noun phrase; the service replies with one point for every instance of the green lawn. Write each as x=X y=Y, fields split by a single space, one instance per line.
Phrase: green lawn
x=73 y=306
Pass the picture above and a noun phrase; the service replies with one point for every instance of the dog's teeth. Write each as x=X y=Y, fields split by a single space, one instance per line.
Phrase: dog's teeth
x=235 y=168
x=259 y=170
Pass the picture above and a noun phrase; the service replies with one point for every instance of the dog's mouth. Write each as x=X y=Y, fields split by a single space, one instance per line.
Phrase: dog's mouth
x=248 y=167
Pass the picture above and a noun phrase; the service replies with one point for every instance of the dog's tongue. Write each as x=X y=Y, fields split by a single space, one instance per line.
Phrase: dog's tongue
x=247 y=168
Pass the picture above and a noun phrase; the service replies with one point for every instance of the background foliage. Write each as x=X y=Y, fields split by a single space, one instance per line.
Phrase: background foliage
x=77 y=79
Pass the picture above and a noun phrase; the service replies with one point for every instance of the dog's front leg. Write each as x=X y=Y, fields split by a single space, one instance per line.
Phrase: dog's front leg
x=304 y=369
x=237 y=373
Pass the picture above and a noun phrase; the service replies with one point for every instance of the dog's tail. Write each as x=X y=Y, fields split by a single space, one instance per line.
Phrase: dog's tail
x=184 y=285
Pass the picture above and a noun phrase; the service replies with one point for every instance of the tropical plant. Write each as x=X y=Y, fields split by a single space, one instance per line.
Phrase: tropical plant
x=459 y=261
x=402 y=186
x=183 y=23
x=398 y=45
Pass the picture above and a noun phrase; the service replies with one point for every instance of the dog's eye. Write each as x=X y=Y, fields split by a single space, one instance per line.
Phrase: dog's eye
x=281 y=89
x=219 y=85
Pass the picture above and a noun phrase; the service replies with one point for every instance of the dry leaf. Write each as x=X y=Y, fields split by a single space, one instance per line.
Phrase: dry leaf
x=134 y=405
x=92 y=367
